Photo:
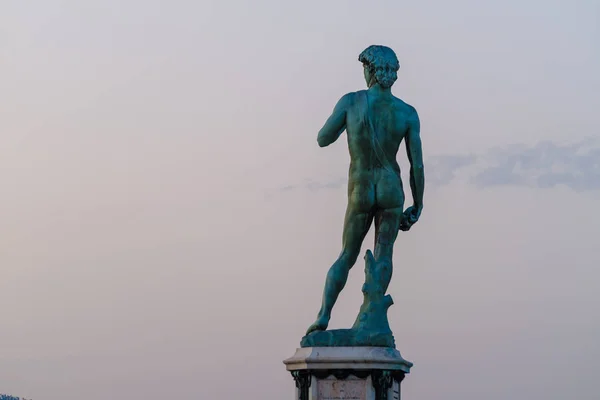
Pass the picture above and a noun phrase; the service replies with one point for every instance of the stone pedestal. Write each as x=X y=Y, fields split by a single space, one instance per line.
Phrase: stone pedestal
x=347 y=373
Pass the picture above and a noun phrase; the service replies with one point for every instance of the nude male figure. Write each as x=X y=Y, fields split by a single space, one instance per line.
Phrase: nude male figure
x=376 y=122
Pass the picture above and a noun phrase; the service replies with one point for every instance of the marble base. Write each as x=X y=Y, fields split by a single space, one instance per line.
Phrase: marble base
x=347 y=373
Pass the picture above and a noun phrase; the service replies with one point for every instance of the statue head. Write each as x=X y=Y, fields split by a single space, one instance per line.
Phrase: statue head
x=381 y=65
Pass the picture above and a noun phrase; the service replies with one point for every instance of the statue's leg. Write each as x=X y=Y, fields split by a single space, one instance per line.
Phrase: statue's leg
x=390 y=205
x=356 y=226
x=387 y=223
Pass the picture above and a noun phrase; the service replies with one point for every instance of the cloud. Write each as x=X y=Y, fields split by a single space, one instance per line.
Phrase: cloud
x=543 y=165
x=441 y=170
x=315 y=186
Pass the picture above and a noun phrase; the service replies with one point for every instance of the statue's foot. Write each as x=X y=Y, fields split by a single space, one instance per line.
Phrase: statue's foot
x=320 y=324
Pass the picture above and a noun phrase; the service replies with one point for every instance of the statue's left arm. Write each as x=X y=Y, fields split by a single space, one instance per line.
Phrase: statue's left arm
x=417 y=176
x=335 y=124
x=415 y=157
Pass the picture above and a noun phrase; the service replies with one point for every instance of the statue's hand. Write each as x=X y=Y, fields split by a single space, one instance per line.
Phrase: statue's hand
x=410 y=217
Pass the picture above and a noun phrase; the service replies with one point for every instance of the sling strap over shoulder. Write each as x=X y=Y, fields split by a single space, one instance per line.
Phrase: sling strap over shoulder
x=376 y=147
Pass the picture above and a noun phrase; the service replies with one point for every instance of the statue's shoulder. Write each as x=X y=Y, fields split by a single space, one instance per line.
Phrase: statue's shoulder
x=402 y=104
x=404 y=107
x=351 y=98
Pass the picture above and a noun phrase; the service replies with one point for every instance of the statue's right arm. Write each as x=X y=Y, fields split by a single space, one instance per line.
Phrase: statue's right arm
x=336 y=123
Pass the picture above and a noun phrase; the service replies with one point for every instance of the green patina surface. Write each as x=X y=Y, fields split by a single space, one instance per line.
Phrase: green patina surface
x=376 y=123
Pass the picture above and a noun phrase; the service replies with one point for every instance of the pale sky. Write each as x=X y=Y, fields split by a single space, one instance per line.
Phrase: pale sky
x=167 y=218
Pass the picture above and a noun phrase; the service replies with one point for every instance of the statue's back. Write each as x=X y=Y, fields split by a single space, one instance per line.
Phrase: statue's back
x=376 y=127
